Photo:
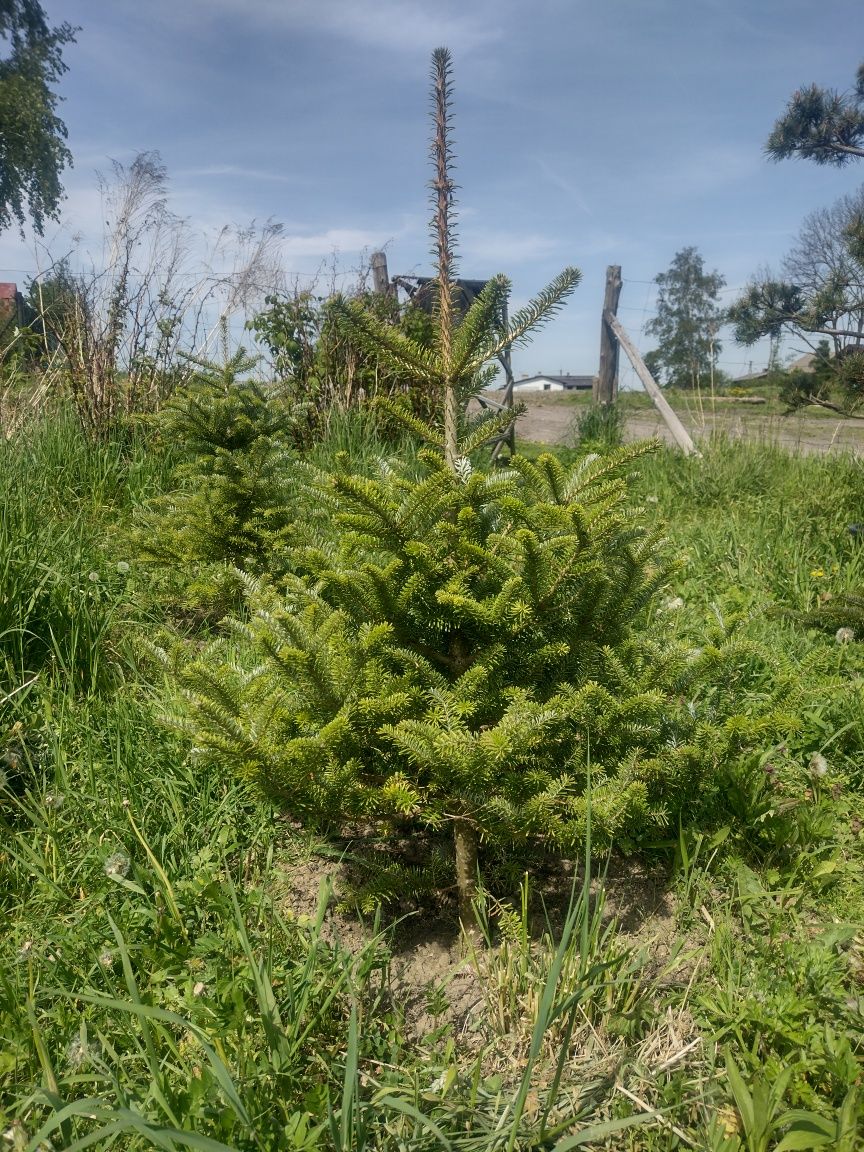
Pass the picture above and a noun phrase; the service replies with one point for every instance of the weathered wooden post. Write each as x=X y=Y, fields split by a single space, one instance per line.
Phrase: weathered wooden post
x=679 y=433
x=509 y=435
x=380 y=275
x=606 y=384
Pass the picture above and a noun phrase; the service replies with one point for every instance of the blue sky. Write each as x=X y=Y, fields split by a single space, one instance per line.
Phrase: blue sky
x=587 y=132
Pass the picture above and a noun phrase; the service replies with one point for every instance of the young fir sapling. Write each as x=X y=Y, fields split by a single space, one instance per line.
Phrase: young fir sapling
x=448 y=661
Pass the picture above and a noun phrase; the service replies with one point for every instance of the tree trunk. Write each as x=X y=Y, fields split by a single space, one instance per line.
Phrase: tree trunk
x=451 y=427
x=465 y=840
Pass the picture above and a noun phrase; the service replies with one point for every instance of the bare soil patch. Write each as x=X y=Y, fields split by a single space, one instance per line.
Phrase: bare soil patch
x=432 y=979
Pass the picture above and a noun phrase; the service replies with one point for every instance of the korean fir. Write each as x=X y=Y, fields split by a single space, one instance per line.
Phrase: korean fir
x=446 y=666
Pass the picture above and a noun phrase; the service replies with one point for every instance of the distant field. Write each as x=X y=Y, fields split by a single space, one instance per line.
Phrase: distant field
x=550 y=419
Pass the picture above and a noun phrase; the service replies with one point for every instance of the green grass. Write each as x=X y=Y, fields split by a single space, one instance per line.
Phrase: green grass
x=156 y=992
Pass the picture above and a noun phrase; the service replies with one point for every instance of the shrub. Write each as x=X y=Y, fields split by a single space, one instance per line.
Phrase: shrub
x=232 y=506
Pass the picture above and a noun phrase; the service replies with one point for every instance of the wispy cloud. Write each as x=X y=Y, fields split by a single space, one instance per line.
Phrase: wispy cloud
x=706 y=169
x=237 y=172
x=498 y=250
x=393 y=25
x=553 y=173
x=339 y=240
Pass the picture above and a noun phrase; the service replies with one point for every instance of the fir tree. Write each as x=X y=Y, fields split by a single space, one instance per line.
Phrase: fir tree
x=232 y=506
x=461 y=657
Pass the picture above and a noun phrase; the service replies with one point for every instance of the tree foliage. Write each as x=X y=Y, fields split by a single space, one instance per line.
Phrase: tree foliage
x=232 y=506
x=822 y=125
x=33 y=152
x=818 y=299
x=687 y=322
x=460 y=656
x=461 y=664
x=321 y=363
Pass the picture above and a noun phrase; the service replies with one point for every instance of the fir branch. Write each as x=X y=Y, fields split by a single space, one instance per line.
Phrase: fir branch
x=484 y=428
x=485 y=316
x=541 y=309
x=398 y=351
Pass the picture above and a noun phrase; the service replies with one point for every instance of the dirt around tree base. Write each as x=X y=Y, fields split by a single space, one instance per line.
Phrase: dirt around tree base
x=433 y=978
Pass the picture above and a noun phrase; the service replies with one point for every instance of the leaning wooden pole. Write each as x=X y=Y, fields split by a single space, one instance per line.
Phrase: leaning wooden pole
x=679 y=432
x=606 y=383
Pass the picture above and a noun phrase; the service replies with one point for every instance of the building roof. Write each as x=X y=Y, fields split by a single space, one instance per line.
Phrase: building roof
x=8 y=291
x=565 y=381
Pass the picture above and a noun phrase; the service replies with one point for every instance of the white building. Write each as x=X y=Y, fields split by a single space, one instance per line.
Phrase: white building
x=546 y=383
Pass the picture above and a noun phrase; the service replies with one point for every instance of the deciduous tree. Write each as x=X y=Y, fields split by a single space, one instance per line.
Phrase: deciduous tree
x=33 y=149
x=688 y=320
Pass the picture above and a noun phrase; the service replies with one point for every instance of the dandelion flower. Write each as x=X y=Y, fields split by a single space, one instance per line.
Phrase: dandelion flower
x=818 y=764
x=817 y=573
x=844 y=635
x=117 y=866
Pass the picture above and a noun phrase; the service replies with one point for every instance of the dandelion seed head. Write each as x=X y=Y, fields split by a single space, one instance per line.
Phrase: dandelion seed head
x=844 y=635
x=122 y=566
x=818 y=764
x=93 y=577
x=673 y=604
x=199 y=989
x=117 y=865
x=78 y=1054
x=54 y=800
x=106 y=958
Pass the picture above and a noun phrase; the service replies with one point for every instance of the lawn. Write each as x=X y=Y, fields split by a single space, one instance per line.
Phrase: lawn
x=176 y=970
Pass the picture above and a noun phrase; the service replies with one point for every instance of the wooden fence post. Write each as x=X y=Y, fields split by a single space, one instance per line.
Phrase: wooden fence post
x=380 y=275
x=606 y=384
x=679 y=432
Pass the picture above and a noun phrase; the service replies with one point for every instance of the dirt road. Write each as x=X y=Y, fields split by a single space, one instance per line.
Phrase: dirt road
x=550 y=420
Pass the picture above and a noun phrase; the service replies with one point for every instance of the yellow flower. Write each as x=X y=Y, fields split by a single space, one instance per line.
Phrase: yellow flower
x=817 y=573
